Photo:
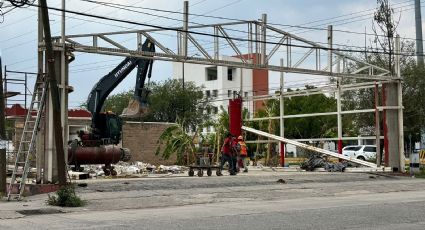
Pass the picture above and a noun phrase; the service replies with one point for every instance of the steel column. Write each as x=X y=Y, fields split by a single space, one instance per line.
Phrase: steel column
x=281 y=114
x=377 y=127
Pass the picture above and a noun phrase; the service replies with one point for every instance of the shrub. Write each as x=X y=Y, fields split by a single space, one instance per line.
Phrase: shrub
x=66 y=197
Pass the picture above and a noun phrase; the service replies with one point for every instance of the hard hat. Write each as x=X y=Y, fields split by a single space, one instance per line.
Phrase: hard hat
x=240 y=138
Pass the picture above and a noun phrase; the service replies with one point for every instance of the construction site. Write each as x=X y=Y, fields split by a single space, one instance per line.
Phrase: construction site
x=262 y=125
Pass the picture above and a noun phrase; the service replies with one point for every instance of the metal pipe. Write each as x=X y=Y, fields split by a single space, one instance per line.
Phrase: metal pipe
x=105 y=154
x=263 y=39
x=281 y=114
x=338 y=104
x=185 y=27
x=377 y=127
x=330 y=48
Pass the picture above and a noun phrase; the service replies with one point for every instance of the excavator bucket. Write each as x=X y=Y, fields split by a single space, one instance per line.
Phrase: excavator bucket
x=134 y=110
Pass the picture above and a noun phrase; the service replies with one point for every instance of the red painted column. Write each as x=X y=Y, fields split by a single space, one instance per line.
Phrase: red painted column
x=235 y=116
x=340 y=146
x=282 y=154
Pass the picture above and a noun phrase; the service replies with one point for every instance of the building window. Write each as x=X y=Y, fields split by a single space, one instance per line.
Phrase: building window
x=215 y=93
x=229 y=93
x=207 y=93
x=230 y=74
x=246 y=94
x=212 y=73
x=235 y=93
x=215 y=109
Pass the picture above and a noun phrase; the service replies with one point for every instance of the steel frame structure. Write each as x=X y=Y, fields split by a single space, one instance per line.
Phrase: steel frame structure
x=256 y=38
x=256 y=34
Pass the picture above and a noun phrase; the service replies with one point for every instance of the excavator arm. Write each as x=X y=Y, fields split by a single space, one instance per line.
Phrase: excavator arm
x=109 y=82
x=107 y=126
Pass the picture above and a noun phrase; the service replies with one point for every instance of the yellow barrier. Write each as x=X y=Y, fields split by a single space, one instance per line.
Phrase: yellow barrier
x=422 y=155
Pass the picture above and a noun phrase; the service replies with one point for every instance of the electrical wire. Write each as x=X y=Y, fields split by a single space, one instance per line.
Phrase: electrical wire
x=270 y=23
x=219 y=36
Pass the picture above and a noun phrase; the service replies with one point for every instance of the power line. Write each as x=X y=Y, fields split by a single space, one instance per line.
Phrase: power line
x=219 y=36
x=125 y=7
x=271 y=23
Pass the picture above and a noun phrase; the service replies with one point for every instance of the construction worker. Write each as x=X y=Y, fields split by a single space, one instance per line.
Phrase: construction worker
x=227 y=154
x=243 y=153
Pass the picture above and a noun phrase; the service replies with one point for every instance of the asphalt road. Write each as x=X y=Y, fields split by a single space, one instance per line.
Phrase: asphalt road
x=256 y=201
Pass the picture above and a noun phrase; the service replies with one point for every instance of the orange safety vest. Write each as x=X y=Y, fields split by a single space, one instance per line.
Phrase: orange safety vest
x=244 y=150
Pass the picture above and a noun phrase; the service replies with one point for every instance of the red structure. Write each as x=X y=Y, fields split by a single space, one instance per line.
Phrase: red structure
x=282 y=154
x=235 y=116
x=260 y=79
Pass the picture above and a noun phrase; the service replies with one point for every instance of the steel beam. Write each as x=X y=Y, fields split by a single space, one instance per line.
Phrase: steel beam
x=312 y=148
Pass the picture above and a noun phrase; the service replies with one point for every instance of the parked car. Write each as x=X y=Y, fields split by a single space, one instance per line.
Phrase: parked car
x=361 y=152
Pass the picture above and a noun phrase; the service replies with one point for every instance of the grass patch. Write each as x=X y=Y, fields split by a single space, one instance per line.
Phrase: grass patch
x=66 y=197
x=421 y=174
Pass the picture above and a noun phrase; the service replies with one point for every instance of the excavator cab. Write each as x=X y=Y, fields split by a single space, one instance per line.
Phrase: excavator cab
x=108 y=127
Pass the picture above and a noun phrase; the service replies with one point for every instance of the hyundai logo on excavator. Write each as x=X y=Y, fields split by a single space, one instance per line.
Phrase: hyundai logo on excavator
x=119 y=72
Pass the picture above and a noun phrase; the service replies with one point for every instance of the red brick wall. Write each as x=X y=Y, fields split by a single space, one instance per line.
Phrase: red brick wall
x=260 y=80
x=141 y=138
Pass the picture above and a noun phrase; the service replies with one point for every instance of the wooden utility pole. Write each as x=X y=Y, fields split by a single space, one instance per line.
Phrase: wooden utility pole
x=2 y=137
x=54 y=92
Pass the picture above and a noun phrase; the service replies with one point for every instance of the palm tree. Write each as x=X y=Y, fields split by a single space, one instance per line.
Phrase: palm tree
x=174 y=140
x=271 y=109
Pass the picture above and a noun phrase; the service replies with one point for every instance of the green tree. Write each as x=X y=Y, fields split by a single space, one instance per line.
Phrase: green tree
x=310 y=127
x=413 y=94
x=167 y=102
x=176 y=141
x=118 y=102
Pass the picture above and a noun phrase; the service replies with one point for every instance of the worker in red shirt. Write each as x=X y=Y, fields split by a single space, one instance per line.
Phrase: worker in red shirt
x=227 y=154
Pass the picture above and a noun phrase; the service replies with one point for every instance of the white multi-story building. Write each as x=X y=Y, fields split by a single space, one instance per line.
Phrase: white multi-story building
x=221 y=83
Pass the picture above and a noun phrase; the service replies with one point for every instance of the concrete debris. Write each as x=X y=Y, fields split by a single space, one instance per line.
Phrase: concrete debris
x=319 y=161
x=125 y=169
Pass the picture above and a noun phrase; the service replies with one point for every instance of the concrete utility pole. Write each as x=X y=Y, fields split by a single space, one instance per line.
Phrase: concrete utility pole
x=54 y=92
x=64 y=85
x=419 y=43
x=393 y=118
x=2 y=137
x=40 y=157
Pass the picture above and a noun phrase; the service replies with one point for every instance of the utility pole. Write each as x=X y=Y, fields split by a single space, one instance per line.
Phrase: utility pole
x=2 y=137
x=419 y=44
x=54 y=92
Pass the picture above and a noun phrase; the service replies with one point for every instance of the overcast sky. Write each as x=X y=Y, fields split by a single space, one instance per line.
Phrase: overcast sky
x=19 y=31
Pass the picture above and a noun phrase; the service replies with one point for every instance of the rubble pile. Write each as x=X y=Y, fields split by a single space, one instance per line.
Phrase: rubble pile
x=125 y=169
x=319 y=161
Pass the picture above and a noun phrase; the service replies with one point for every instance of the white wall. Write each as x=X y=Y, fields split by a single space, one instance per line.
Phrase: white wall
x=197 y=74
